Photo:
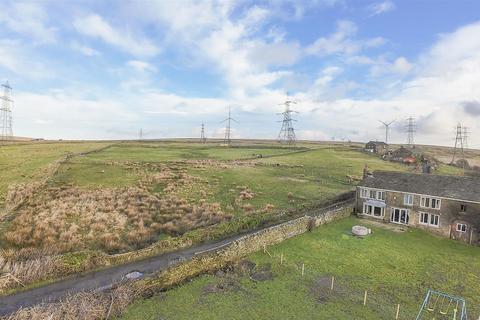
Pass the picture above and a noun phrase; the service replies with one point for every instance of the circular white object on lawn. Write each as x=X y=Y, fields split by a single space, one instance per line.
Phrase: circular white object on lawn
x=360 y=231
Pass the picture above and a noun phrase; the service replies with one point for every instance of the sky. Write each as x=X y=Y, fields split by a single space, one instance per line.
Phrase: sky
x=106 y=69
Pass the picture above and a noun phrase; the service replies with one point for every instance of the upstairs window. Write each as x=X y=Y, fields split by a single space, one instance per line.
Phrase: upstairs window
x=463 y=208
x=408 y=199
x=432 y=203
x=372 y=194
x=381 y=195
x=364 y=193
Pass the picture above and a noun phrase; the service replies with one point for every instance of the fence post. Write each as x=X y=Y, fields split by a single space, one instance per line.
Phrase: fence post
x=281 y=258
x=264 y=248
x=333 y=280
x=365 y=298
x=398 y=311
x=303 y=269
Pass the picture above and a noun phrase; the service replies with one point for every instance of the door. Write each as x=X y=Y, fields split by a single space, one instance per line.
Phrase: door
x=400 y=216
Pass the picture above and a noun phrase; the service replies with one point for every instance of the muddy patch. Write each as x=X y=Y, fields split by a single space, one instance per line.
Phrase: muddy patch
x=262 y=273
x=321 y=289
x=224 y=286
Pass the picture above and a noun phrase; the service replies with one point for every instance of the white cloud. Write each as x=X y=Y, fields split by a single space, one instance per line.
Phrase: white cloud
x=95 y=26
x=67 y=116
x=141 y=66
x=15 y=57
x=85 y=50
x=342 y=41
x=381 y=7
x=28 y=19
x=400 y=66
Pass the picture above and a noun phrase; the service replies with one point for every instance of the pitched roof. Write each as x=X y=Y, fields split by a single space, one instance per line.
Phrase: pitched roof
x=453 y=187
x=380 y=143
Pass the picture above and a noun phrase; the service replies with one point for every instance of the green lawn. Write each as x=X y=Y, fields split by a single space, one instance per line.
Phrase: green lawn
x=395 y=268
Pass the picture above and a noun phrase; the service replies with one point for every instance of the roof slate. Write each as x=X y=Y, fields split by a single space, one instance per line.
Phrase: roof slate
x=453 y=187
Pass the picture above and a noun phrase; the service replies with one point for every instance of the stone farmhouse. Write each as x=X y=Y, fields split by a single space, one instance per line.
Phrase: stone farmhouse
x=378 y=147
x=446 y=205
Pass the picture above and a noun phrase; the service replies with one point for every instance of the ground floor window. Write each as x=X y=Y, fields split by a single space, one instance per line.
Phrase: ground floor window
x=373 y=210
x=429 y=219
x=461 y=227
x=398 y=215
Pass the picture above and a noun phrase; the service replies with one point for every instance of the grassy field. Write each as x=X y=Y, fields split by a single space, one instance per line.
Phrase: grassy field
x=92 y=201
x=22 y=162
x=395 y=267
x=130 y=195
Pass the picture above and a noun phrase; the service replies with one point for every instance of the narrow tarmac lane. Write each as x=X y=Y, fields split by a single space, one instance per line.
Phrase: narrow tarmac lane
x=104 y=279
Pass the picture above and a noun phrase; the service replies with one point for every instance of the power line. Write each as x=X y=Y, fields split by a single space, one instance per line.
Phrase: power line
x=227 y=141
x=411 y=129
x=459 y=147
x=287 y=132
x=465 y=136
x=6 y=132
x=203 y=139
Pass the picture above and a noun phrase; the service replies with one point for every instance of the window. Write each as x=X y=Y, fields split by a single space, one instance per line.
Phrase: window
x=363 y=193
x=381 y=195
x=432 y=203
x=461 y=227
x=400 y=216
x=374 y=211
x=463 y=208
x=408 y=199
x=429 y=219
x=372 y=194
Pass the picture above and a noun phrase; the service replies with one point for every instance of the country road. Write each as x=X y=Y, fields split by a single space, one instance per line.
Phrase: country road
x=104 y=279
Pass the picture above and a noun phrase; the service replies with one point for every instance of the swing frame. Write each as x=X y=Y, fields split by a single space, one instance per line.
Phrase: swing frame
x=432 y=293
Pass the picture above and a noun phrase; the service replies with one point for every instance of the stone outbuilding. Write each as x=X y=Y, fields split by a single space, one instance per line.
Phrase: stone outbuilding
x=445 y=205
x=403 y=155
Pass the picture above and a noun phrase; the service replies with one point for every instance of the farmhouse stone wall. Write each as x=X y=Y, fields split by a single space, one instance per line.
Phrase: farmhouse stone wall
x=216 y=259
x=449 y=215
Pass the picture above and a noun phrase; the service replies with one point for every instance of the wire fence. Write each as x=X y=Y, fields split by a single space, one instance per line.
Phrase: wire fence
x=370 y=301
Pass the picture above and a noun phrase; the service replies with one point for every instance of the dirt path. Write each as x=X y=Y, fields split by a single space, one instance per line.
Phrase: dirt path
x=105 y=279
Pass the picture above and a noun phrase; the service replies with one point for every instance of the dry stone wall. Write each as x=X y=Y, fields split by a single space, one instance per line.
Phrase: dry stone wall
x=216 y=259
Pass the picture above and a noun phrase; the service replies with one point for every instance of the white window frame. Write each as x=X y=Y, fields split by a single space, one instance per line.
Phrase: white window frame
x=429 y=216
x=365 y=211
x=381 y=195
x=430 y=200
x=410 y=197
x=364 y=193
x=460 y=230
x=407 y=212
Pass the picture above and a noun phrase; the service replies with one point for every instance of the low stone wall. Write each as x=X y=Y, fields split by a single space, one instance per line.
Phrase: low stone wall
x=218 y=258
